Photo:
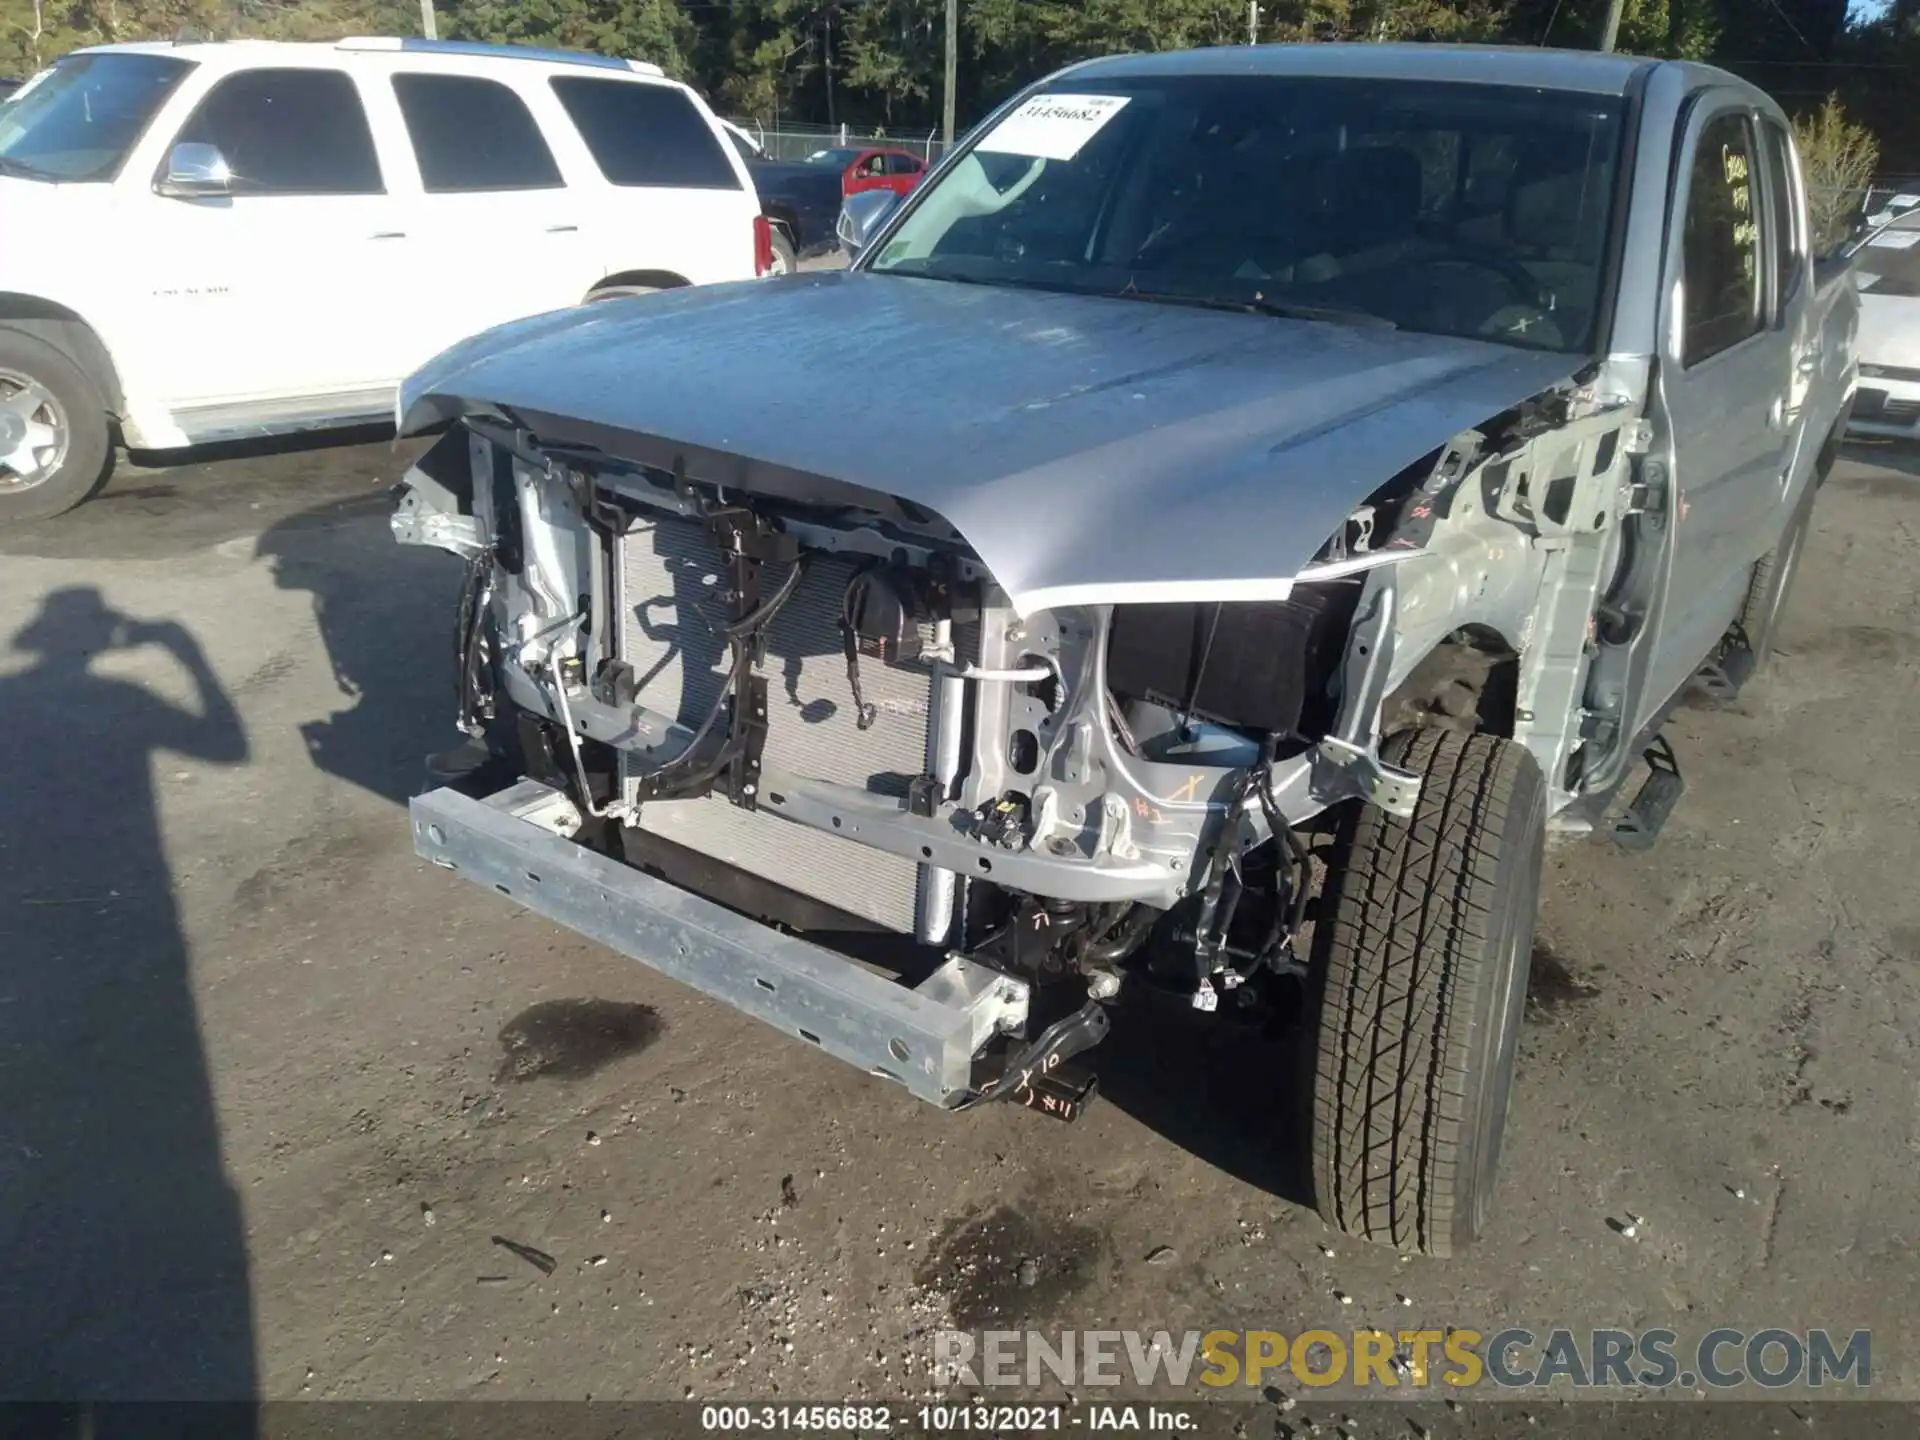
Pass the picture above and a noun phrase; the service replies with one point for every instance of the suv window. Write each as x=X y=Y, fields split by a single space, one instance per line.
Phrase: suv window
x=289 y=132
x=1721 y=246
x=642 y=134
x=473 y=134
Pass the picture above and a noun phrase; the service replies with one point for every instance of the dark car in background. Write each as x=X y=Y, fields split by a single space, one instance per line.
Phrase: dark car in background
x=8 y=84
x=801 y=199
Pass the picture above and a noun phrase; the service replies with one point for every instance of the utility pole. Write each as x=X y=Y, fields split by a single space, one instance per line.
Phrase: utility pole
x=953 y=67
x=1614 y=7
x=1253 y=22
x=429 y=27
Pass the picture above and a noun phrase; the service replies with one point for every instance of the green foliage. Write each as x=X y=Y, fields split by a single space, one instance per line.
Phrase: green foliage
x=894 y=51
x=1837 y=160
x=1677 y=29
x=761 y=58
x=881 y=62
x=1101 y=27
x=33 y=33
x=656 y=30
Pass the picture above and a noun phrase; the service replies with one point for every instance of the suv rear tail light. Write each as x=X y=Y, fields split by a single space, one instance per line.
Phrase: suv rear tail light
x=762 y=245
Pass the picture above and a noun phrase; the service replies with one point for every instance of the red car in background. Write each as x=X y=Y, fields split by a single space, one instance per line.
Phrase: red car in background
x=872 y=169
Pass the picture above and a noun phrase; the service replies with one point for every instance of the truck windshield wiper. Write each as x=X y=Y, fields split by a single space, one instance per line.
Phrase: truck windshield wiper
x=1284 y=309
x=998 y=282
x=10 y=166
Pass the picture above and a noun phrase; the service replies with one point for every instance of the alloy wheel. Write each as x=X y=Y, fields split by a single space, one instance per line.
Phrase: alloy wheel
x=34 y=432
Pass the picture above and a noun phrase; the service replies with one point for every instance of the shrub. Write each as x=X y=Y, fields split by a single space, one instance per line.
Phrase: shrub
x=1837 y=159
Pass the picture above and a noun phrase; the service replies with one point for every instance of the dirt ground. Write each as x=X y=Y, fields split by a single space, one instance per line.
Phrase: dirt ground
x=285 y=1111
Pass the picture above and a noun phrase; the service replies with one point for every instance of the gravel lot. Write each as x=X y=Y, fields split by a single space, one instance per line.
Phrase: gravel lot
x=272 y=1093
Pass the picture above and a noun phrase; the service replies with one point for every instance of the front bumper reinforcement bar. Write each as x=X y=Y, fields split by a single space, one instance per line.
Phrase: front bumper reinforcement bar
x=514 y=843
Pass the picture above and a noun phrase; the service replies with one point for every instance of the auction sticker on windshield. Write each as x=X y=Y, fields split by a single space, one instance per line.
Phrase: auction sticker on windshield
x=1052 y=127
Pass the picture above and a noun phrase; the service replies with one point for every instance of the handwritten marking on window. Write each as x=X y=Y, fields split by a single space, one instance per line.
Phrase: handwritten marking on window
x=1746 y=234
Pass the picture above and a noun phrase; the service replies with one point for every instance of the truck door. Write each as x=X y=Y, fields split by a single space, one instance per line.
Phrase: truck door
x=1796 y=312
x=1724 y=377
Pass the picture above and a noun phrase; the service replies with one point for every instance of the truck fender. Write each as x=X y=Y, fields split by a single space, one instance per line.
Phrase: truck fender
x=71 y=334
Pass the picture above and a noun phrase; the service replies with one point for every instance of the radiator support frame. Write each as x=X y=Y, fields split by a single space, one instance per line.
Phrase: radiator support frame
x=721 y=802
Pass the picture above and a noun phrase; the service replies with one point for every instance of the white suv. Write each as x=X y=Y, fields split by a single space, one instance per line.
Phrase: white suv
x=210 y=241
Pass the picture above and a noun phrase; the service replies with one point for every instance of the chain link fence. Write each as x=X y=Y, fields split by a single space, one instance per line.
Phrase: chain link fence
x=782 y=141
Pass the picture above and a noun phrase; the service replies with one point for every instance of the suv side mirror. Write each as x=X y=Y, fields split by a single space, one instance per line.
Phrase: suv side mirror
x=861 y=218
x=194 y=169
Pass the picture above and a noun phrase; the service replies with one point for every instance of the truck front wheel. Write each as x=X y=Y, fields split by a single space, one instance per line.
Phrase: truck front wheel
x=1422 y=948
x=55 y=443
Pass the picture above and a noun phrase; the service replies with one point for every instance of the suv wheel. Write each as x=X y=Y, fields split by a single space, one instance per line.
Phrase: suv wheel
x=55 y=445
x=1422 y=949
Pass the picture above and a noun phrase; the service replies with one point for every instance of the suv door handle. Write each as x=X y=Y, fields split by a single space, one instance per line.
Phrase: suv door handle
x=562 y=229
x=1808 y=365
x=388 y=235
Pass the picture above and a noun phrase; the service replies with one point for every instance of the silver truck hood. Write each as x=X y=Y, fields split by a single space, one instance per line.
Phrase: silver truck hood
x=1089 y=449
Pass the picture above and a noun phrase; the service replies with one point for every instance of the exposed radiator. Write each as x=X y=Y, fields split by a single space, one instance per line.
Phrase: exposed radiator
x=670 y=575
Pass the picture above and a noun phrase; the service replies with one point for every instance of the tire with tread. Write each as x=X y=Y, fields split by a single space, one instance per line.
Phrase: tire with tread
x=89 y=456
x=1421 y=953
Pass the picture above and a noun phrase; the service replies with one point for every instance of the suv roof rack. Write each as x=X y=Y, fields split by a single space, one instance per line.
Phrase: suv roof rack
x=419 y=45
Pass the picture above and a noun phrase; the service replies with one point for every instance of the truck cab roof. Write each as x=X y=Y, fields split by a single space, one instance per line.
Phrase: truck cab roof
x=1580 y=71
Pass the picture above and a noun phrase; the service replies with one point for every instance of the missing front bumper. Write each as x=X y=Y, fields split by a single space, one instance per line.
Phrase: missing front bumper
x=515 y=842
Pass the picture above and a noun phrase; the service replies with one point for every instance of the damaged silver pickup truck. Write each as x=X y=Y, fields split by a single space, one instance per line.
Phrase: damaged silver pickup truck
x=1286 y=484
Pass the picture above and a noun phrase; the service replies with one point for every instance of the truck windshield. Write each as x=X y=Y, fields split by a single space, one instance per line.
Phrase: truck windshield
x=1455 y=209
x=78 y=120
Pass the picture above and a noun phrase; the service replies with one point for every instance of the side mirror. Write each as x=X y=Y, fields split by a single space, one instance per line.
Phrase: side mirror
x=195 y=170
x=861 y=218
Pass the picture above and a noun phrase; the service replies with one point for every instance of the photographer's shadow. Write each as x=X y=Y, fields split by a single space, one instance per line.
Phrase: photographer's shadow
x=125 y=1271
x=385 y=613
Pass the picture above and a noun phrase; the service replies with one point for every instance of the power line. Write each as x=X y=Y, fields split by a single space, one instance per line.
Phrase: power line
x=1550 y=19
x=1774 y=5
